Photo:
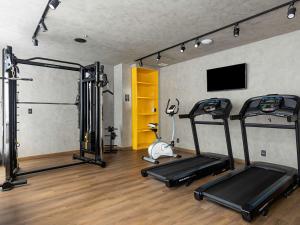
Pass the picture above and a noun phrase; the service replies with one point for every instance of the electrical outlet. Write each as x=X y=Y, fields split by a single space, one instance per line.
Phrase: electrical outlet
x=263 y=153
x=30 y=111
x=127 y=97
x=177 y=140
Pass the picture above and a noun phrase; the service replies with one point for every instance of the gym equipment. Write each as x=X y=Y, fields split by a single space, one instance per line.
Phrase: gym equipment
x=91 y=83
x=203 y=164
x=112 y=136
x=251 y=190
x=159 y=148
x=89 y=103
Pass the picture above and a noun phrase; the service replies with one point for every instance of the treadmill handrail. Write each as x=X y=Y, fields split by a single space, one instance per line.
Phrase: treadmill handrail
x=184 y=116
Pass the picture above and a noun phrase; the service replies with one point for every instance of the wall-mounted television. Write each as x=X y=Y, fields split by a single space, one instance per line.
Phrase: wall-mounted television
x=227 y=78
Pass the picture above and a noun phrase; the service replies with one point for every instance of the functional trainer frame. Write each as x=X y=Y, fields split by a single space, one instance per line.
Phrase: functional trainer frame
x=91 y=82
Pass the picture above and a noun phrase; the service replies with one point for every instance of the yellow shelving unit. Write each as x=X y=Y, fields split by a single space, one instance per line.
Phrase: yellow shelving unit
x=144 y=106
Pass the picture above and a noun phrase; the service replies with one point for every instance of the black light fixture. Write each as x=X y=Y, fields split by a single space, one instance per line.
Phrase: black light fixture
x=236 y=30
x=53 y=4
x=43 y=26
x=158 y=57
x=182 y=48
x=141 y=63
x=80 y=40
x=291 y=11
x=35 y=42
x=197 y=43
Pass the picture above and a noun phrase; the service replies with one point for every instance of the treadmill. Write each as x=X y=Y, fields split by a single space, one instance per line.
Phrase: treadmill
x=251 y=190
x=188 y=169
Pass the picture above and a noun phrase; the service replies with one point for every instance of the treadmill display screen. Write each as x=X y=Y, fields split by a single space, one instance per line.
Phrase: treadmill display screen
x=270 y=104
x=211 y=105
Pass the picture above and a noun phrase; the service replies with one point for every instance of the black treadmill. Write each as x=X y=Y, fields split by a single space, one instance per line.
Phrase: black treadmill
x=252 y=189
x=188 y=169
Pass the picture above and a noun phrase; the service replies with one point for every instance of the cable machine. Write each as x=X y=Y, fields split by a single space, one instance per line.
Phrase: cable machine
x=89 y=102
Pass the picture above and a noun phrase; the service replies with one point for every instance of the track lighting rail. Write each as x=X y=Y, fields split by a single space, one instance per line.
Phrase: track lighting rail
x=52 y=4
x=217 y=30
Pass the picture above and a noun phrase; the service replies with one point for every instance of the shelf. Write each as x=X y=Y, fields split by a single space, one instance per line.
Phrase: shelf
x=147 y=114
x=146 y=83
x=145 y=106
x=147 y=98
x=145 y=130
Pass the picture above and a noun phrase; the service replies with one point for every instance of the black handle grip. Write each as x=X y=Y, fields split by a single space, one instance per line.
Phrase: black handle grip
x=215 y=117
x=184 y=116
x=177 y=110
x=235 y=117
x=166 y=110
x=293 y=118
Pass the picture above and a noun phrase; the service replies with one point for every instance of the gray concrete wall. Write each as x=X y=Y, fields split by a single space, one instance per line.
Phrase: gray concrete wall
x=273 y=67
x=52 y=128
x=122 y=113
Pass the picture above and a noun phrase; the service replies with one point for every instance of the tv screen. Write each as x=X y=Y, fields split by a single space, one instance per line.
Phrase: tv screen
x=227 y=78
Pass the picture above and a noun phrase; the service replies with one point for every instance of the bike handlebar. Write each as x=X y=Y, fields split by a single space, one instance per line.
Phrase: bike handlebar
x=176 y=110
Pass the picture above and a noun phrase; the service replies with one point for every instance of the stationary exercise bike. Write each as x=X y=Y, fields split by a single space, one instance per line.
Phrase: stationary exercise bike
x=159 y=148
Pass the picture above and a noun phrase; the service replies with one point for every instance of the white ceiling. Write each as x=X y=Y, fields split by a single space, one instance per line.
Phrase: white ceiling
x=121 y=31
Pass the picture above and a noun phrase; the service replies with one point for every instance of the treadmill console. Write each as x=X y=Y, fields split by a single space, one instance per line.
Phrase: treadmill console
x=275 y=105
x=217 y=107
x=270 y=103
x=212 y=105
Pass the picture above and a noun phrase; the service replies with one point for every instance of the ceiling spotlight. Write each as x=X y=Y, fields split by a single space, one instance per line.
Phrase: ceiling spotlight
x=236 y=30
x=197 y=43
x=53 y=4
x=141 y=63
x=43 y=26
x=158 y=57
x=206 y=41
x=291 y=11
x=182 y=48
x=35 y=42
x=80 y=40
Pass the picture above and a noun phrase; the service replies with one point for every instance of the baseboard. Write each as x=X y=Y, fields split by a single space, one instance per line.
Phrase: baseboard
x=47 y=155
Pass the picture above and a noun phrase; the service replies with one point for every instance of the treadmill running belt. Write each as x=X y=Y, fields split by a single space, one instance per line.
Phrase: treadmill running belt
x=171 y=170
x=246 y=185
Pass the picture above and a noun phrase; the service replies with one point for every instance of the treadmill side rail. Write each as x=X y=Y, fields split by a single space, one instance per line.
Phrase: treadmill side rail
x=264 y=200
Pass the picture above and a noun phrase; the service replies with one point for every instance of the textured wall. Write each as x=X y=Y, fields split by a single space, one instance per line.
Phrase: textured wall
x=118 y=103
x=272 y=68
x=52 y=128
x=122 y=113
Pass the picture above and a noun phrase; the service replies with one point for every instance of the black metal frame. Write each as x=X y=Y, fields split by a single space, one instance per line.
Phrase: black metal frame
x=289 y=180
x=92 y=105
x=227 y=136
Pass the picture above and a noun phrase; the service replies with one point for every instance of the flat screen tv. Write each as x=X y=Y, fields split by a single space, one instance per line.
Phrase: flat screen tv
x=227 y=78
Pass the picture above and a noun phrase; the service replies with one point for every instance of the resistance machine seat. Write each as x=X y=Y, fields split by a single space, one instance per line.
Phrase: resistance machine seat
x=188 y=169
x=252 y=189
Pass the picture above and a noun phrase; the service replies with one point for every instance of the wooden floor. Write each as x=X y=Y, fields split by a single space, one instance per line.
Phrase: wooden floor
x=118 y=194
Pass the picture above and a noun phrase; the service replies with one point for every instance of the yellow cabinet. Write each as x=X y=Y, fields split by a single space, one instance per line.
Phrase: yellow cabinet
x=144 y=106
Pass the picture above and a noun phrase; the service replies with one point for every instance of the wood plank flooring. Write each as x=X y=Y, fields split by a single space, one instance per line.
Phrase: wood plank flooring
x=117 y=195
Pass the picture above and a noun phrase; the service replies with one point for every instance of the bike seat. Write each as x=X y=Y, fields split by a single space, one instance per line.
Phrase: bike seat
x=152 y=125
